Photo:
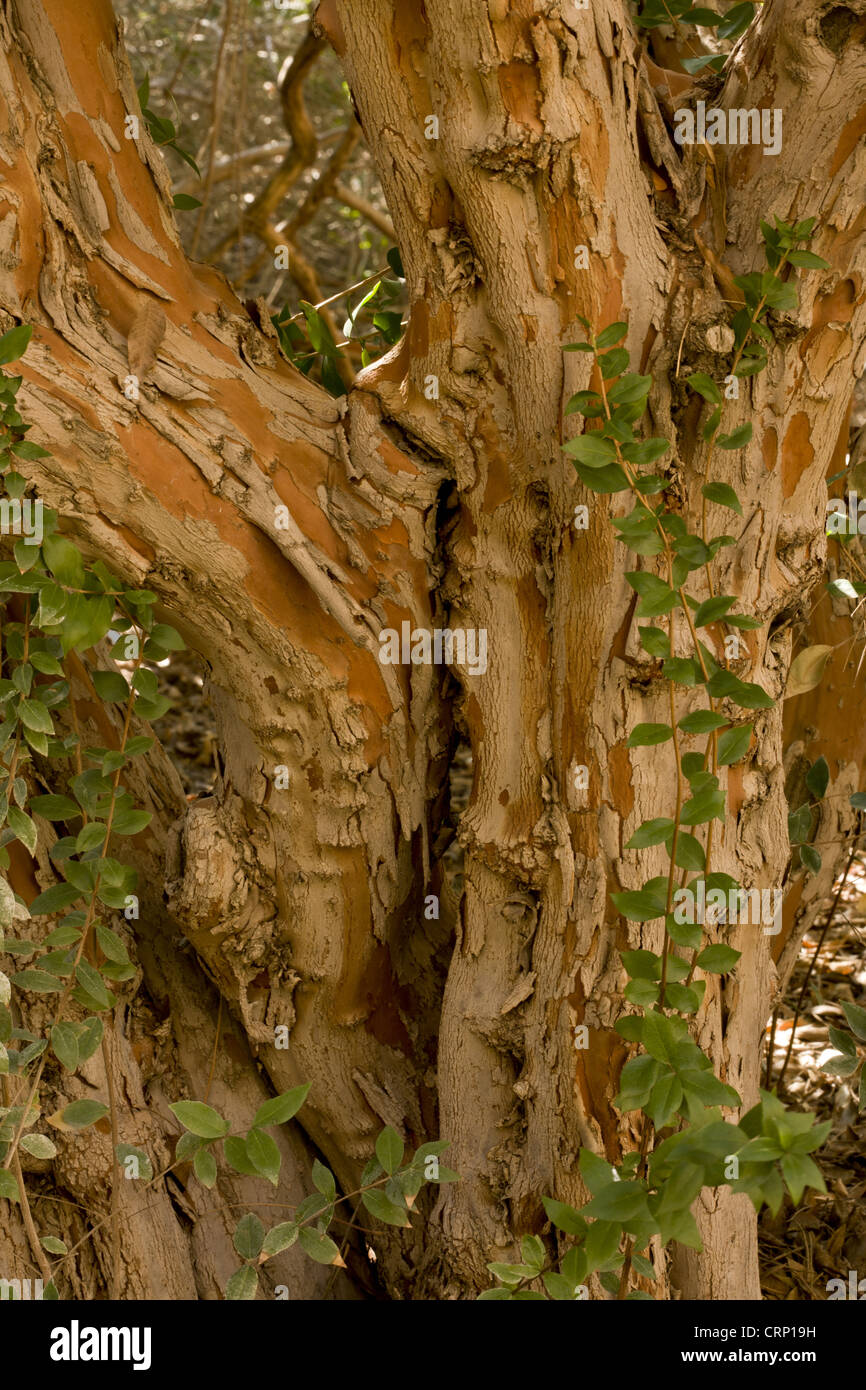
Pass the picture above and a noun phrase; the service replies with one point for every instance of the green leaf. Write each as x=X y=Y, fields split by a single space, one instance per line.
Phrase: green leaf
x=808 y=260
x=702 y=721
x=707 y=804
x=111 y=945
x=90 y=837
x=647 y=451
x=651 y=832
x=638 y=1077
x=39 y=1145
x=602 y=1243
x=142 y=1168
x=8 y=1181
x=841 y=1064
x=23 y=827
x=323 y=1180
x=689 y=852
x=86 y=622
x=389 y=1149
x=249 y=1236
x=14 y=345
x=264 y=1155
x=243 y=1285
x=687 y=999
x=642 y=906
x=643 y=965
x=645 y=734
x=280 y=1109
x=54 y=807
x=199 y=1119
x=842 y=1041
x=34 y=715
x=585 y=403
x=167 y=637
x=724 y=683
x=612 y=363
x=90 y=1034
x=91 y=981
x=657 y=597
x=37 y=981
x=64 y=1045
x=185 y=202
x=110 y=686
x=843 y=588
x=54 y=1246
x=712 y=609
x=718 y=959
x=64 y=560
x=818 y=778
x=734 y=744
x=55 y=898
x=801 y=1172
x=856 y=1019
x=595 y=1171
x=395 y=261
x=700 y=1084
x=666 y=1096
x=679 y=1224
x=630 y=389
x=559 y=1288
x=610 y=335
x=82 y=1113
x=130 y=822
x=621 y=1202
x=564 y=1217
x=605 y=480
x=737 y=439
x=641 y=993
x=706 y=387
x=378 y=1204
x=318 y=1246
x=280 y=1238
x=654 y=641
x=236 y=1156
x=591 y=450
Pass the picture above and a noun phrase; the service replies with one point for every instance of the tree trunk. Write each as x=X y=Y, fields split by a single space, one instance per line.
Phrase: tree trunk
x=284 y=532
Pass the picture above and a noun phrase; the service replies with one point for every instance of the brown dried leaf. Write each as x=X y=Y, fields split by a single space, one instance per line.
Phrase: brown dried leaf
x=145 y=335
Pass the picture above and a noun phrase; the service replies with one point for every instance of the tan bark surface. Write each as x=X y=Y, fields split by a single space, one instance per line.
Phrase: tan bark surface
x=305 y=907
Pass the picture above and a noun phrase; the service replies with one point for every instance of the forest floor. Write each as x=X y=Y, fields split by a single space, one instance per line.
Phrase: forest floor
x=801 y=1248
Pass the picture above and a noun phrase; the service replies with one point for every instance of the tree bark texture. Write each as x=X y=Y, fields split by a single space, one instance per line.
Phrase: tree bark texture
x=305 y=907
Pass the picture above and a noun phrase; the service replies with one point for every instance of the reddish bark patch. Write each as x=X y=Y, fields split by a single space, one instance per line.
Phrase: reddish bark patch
x=518 y=84
x=797 y=452
x=736 y=794
x=621 y=788
x=852 y=133
x=382 y=994
x=328 y=19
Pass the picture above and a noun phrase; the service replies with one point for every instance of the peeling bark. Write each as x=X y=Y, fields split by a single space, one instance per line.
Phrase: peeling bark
x=304 y=907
